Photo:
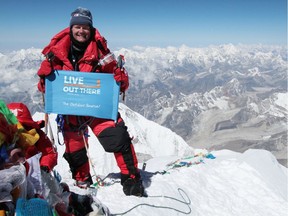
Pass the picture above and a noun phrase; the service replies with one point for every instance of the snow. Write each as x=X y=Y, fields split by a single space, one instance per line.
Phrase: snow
x=282 y=100
x=250 y=183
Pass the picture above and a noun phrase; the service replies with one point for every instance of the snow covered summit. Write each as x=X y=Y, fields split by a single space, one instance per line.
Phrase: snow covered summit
x=250 y=183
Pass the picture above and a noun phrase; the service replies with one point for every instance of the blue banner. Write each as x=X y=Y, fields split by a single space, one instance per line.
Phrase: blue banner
x=83 y=94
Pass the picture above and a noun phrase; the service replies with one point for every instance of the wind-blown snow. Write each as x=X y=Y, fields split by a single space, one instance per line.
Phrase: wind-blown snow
x=252 y=183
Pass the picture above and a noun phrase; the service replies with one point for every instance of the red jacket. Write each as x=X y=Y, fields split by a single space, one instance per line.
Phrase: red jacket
x=60 y=47
x=45 y=146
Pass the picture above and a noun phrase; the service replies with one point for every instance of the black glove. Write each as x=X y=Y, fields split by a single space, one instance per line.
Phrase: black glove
x=81 y=203
x=45 y=169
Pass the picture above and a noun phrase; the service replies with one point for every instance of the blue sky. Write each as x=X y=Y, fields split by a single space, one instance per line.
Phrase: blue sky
x=126 y=23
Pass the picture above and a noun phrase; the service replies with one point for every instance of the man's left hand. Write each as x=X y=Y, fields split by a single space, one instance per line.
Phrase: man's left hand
x=121 y=76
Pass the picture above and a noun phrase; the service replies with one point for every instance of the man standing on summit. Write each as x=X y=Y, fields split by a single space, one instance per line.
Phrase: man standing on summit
x=80 y=47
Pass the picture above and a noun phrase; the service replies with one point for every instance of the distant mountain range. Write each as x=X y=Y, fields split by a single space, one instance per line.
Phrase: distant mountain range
x=217 y=97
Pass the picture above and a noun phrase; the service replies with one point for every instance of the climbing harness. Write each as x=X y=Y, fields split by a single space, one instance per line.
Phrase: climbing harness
x=60 y=127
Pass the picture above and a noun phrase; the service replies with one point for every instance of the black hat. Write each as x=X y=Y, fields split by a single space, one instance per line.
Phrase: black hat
x=81 y=16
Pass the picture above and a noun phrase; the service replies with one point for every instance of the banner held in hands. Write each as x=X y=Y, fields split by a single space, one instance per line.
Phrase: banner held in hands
x=83 y=94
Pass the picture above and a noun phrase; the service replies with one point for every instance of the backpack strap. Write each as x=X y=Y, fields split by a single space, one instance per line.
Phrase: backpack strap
x=102 y=47
x=101 y=43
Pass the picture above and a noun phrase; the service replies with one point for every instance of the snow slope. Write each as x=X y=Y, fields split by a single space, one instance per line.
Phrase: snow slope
x=250 y=183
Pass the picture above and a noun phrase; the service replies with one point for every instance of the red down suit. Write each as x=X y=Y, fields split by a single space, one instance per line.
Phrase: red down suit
x=114 y=137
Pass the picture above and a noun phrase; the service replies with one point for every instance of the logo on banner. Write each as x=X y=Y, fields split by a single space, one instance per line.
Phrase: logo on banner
x=76 y=85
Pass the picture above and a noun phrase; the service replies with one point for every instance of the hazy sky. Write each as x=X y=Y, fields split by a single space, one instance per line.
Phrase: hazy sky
x=160 y=23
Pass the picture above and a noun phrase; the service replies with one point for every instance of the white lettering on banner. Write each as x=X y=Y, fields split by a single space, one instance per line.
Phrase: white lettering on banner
x=79 y=105
x=90 y=91
x=73 y=80
x=93 y=106
x=70 y=89
x=76 y=105
x=76 y=85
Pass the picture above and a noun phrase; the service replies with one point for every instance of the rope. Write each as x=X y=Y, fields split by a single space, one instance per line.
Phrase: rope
x=183 y=162
x=185 y=198
x=99 y=181
x=51 y=133
x=183 y=201
x=48 y=127
x=186 y=162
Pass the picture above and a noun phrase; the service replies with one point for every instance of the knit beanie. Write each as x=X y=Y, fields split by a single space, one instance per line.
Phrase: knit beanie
x=81 y=16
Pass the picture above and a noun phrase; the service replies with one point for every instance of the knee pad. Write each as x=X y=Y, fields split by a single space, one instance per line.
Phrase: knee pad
x=115 y=139
x=76 y=159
